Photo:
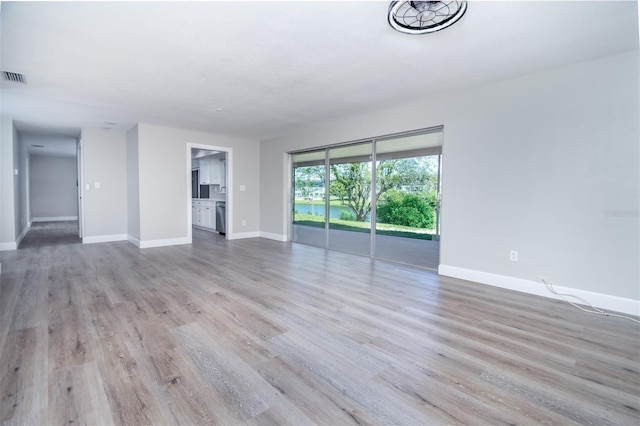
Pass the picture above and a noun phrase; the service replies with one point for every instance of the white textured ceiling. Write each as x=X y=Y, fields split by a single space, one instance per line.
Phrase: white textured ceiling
x=272 y=66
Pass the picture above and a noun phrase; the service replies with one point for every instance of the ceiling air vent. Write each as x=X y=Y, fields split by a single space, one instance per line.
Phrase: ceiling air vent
x=14 y=77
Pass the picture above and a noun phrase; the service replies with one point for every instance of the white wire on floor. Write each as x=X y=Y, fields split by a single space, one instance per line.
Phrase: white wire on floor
x=592 y=310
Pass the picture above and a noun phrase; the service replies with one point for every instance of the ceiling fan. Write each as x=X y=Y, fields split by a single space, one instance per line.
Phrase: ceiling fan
x=421 y=17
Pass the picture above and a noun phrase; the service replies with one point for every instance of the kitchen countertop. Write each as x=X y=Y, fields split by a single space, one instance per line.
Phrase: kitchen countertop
x=210 y=199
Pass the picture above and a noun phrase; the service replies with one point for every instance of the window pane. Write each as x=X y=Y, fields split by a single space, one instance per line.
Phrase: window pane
x=350 y=198
x=407 y=187
x=308 y=214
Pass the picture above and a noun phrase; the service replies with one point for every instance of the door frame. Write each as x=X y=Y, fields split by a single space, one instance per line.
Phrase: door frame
x=229 y=186
x=290 y=201
x=80 y=180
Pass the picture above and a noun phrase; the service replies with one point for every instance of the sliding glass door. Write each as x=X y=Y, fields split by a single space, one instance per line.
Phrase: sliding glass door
x=309 y=198
x=350 y=198
x=407 y=208
x=339 y=198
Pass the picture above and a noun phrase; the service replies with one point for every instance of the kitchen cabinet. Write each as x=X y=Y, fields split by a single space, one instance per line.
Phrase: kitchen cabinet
x=203 y=214
x=223 y=173
x=197 y=213
x=208 y=216
x=205 y=172
x=209 y=171
x=214 y=170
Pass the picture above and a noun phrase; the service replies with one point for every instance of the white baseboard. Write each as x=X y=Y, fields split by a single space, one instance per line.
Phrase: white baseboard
x=54 y=219
x=8 y=246
x=161 y=243
x=276 y=237
x=242 y=235
x=133 y=240
x=24 y=232
x=104 y=238
x=602 y=301
x=14 y=246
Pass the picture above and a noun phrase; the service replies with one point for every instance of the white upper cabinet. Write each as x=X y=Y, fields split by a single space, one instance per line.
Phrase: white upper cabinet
x=214 y=171
x=211 y=171
x=204 y=174
x=223 y=173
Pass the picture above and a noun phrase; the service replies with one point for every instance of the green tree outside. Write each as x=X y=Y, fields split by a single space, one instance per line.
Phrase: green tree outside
x=406 y=189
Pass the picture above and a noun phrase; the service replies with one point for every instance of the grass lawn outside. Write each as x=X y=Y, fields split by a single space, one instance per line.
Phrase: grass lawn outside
x=350 y=225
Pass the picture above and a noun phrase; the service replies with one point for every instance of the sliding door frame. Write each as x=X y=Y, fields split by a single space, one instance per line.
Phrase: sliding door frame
x=373 y=187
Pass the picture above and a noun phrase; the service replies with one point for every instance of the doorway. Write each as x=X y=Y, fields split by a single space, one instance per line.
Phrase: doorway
x=209 y=200
x=51 y=191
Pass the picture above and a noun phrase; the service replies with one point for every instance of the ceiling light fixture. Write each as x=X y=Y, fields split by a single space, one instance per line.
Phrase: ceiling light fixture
x=108 y=125
x=421 y=17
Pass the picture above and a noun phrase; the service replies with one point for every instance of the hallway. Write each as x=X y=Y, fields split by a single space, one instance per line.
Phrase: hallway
x=44 y=234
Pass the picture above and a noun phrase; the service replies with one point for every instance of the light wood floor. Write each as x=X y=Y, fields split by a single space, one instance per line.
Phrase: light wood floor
x=261 y=332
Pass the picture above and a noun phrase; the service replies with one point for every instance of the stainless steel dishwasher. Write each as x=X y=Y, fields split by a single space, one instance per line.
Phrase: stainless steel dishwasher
x=221 y=217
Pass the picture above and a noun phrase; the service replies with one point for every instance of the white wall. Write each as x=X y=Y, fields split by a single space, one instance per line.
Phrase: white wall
x=104 y=162
x=13 y=214
x=545 y=164
x=17 y=205
x=164 y=181
x=133 y=189
x=24 y=215
x=53 y=187
x=7 y=208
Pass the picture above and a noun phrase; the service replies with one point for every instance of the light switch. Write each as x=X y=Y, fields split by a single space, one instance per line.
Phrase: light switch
x=87 y=186
x=243 y=188
x=96 y=185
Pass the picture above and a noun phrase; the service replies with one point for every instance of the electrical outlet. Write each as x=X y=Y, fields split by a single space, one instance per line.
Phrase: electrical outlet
x=513 y=256
x=244 y=223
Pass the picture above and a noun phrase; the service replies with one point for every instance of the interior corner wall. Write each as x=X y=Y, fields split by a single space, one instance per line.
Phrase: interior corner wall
x=133 y=187
x=105 y=172
x=54 y=193
x=16 y=183
x=14 y=221
x=7 y=201
x=546 y=164
x=164 y=182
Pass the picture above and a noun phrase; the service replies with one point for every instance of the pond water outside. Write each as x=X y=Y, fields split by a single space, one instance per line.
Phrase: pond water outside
x=318 y=210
